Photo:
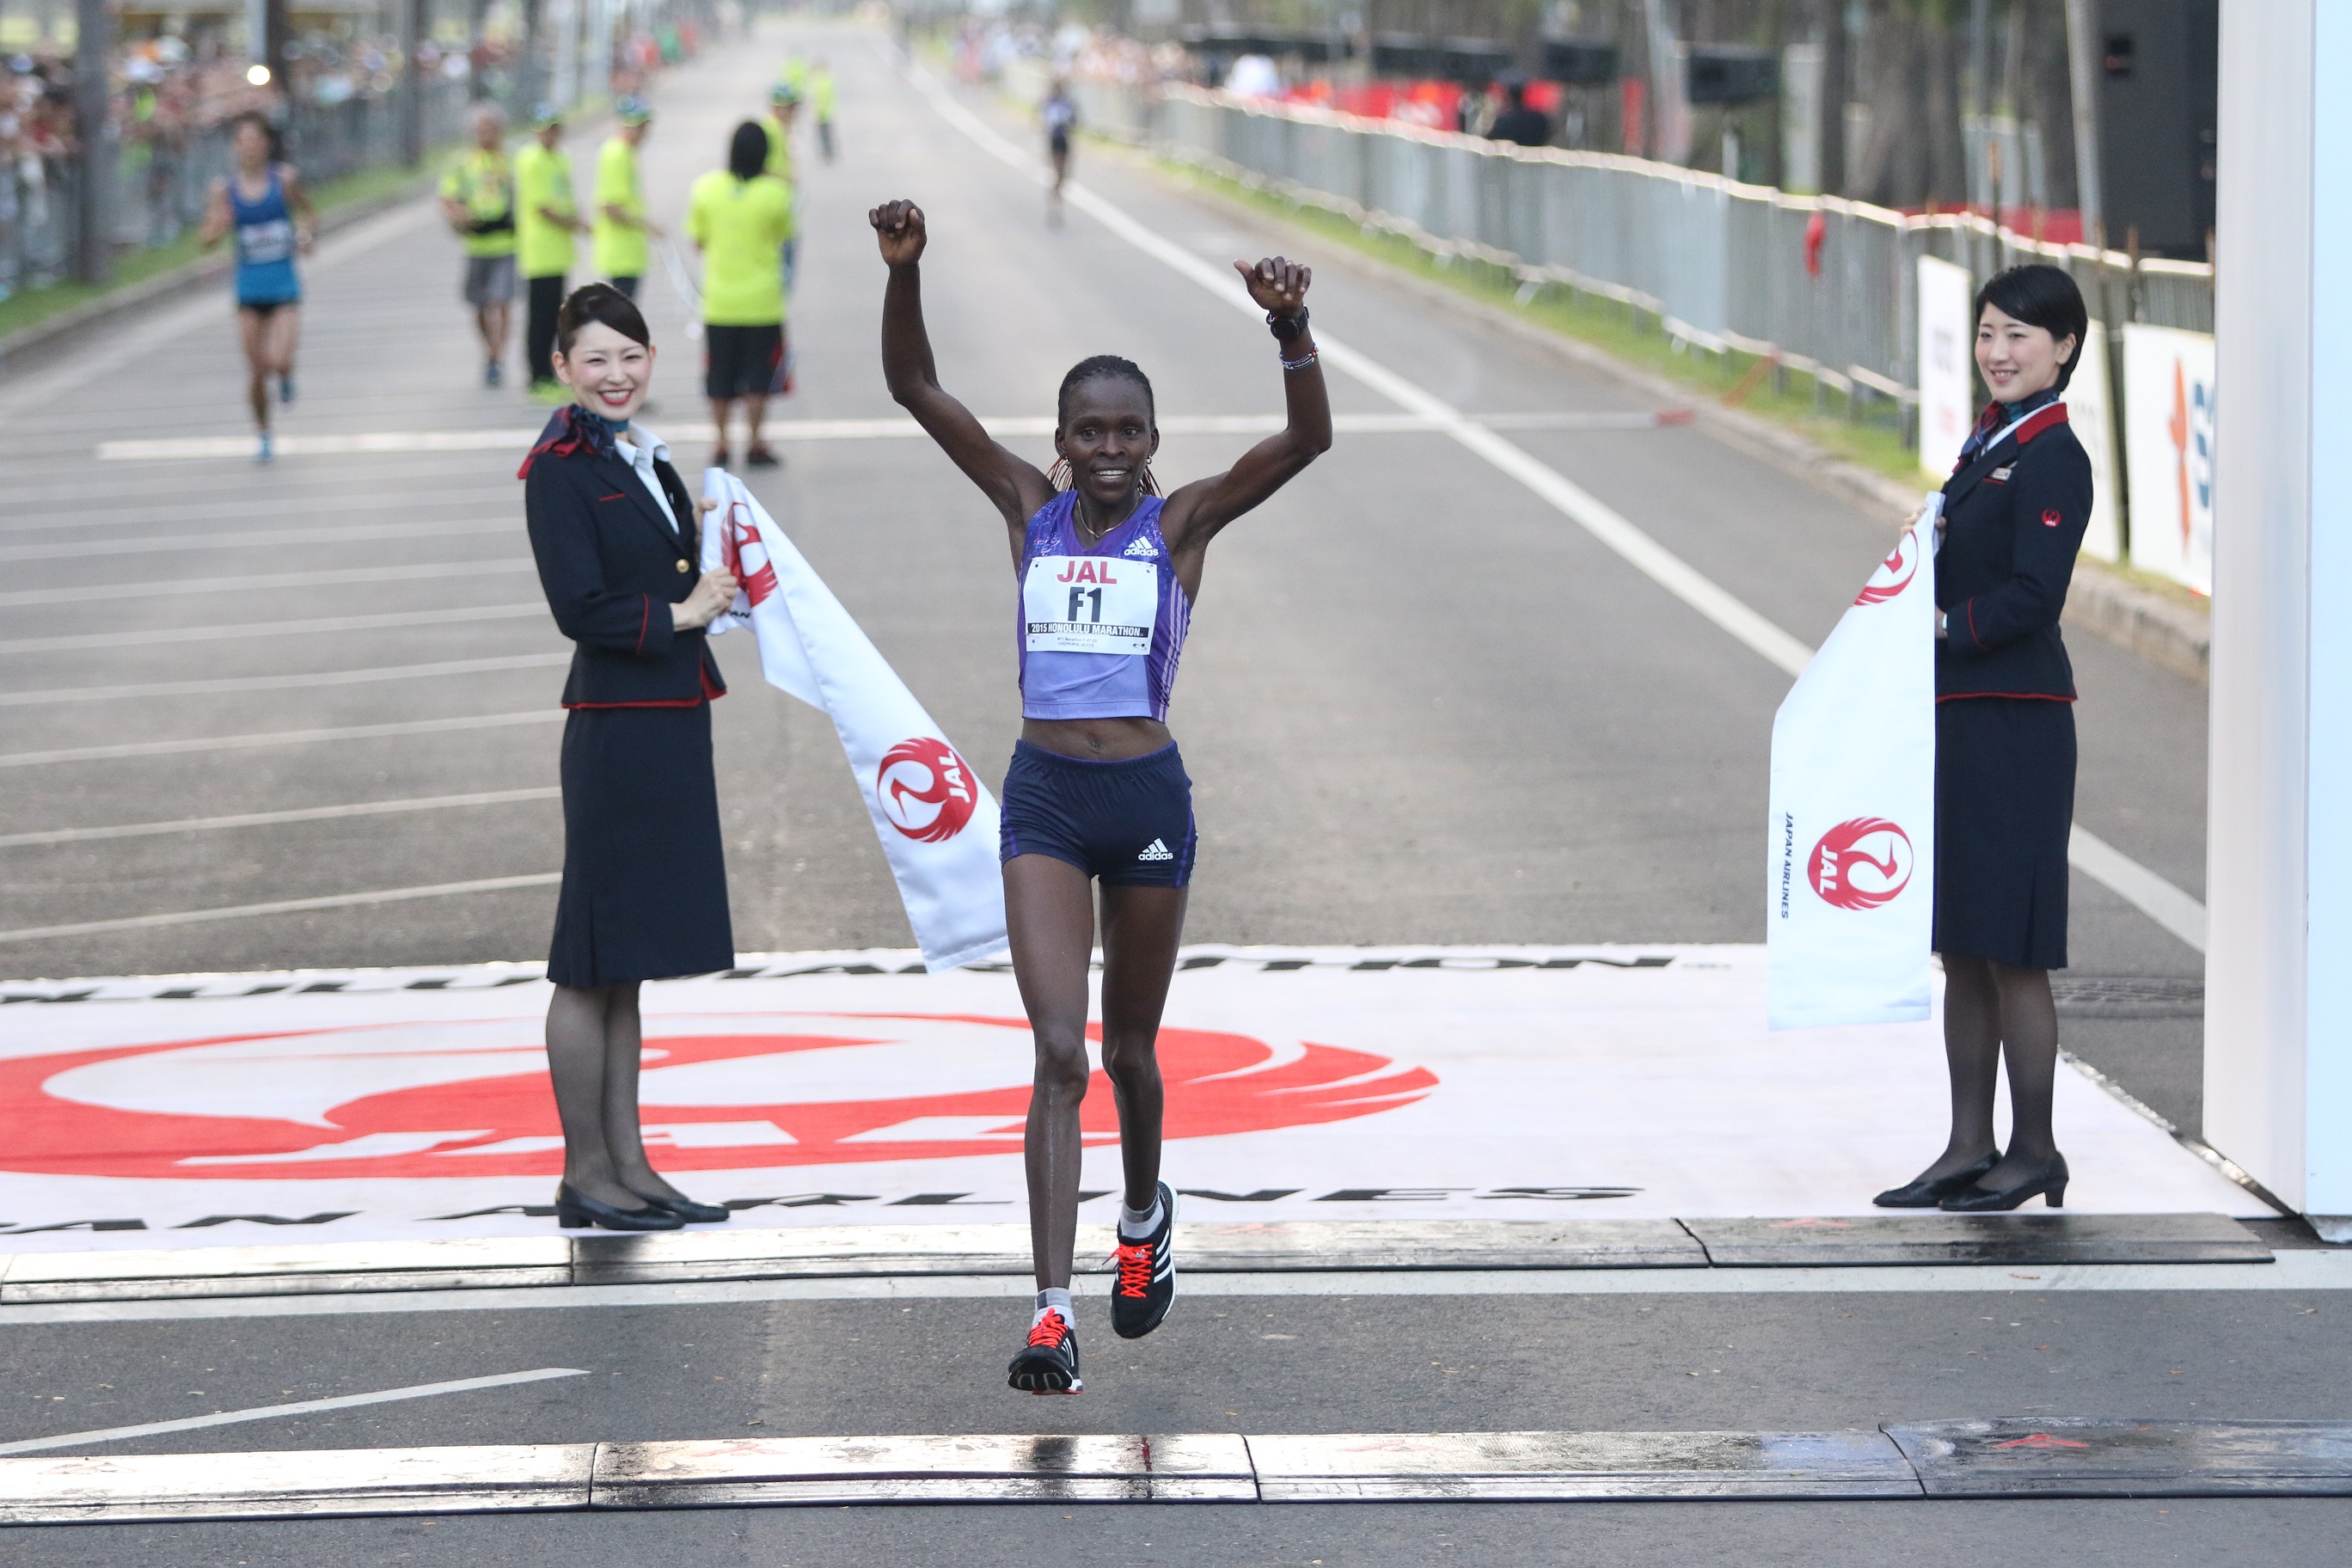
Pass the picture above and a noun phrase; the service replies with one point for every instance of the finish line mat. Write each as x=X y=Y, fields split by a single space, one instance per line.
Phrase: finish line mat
x=1424 y=1084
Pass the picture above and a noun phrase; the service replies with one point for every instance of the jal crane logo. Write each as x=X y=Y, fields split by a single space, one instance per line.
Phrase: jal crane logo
x=1893 y=574
x=925 y=789
x=1861 y=863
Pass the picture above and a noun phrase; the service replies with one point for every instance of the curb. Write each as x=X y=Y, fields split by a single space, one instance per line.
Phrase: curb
x=60 y=331
x=2173 y=636
x=2065 y=1456
x=878 y=1251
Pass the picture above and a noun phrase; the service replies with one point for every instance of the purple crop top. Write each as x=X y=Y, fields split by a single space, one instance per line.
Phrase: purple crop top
x=1099 y=629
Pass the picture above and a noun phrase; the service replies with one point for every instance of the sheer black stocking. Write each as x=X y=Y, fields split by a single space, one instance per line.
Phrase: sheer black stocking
x=1051 y=917
x=594 y=1047
x=1993 y=1010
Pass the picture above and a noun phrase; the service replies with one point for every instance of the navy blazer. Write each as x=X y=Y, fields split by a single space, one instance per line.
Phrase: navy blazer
x=2014 y=516
x=611 y=566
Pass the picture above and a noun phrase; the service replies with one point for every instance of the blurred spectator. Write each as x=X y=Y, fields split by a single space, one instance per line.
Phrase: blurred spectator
x=1518 y=123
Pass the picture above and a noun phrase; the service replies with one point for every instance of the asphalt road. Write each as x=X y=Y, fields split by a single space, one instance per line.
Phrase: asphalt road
x=1418 y=704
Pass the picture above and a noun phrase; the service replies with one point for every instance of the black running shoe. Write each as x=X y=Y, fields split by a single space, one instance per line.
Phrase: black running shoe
x=1048 y=1364
x=1147 y=1276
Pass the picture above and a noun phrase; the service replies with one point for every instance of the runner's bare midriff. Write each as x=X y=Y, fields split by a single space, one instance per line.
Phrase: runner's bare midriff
x=1098 y=740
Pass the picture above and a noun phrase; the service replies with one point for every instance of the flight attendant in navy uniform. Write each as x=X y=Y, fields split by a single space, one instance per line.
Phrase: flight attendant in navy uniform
x=2014 y=513
x=617 y=536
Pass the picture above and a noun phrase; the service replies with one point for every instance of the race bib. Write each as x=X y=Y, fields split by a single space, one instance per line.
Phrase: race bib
x=1091 y=604
x=259 y=244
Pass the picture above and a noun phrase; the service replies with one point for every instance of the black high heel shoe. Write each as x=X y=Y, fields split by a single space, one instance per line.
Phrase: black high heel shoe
x=2050 y=1181
x=687 y=1210
x=576 y=1211
x=1927 y=1192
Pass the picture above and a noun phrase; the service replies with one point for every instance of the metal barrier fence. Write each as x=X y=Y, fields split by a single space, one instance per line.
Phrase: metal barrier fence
x=162 y=182
x=1825 y=285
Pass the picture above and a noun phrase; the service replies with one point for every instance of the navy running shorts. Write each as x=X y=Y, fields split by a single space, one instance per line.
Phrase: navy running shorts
x=1129 y=822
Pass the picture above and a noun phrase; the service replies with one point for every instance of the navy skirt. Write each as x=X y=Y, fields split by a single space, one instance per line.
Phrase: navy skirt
x=2004 y=807
x=644 y=877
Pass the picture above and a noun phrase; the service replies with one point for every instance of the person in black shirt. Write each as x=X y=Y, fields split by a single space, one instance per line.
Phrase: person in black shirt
x=1518 y=123
x=2014 y=513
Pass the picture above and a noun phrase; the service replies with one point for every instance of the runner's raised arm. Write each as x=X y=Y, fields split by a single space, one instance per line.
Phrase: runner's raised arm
x=1016 y=486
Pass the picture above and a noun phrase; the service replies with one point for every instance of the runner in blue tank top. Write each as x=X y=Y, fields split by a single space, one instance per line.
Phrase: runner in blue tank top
x=1108 y=571
x=264 y=206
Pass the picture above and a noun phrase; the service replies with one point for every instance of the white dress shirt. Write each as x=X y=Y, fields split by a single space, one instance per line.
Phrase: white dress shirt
x=641 y=454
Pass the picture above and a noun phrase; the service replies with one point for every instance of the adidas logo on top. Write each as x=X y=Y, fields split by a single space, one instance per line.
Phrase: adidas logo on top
x=1158 y=851
x=1140 y=546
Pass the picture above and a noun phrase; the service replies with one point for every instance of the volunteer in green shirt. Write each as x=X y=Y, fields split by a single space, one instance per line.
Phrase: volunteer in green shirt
x=784 y=100
x=622 y=227
x=738 y=218
x=478 y=198
x=820 y=97
x=547 y=217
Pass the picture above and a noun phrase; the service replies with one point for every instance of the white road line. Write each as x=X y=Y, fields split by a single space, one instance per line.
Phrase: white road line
x=273 y=1411
x=169 y=587
x=86 y=550
x=2174 y=909
x=176 y=448
x=73 y=511
x=72 y=641
x=278 y=738
x=284 y=906
x=2294 y=1270
x=63 y=694
x=271 y=818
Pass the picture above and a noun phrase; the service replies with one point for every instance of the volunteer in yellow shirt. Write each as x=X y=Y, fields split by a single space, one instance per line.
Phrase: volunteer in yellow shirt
x=547 y=217
x=785 y=99
x=478 y=198
x=621 y=227
x=820 y=97
x=738 y=218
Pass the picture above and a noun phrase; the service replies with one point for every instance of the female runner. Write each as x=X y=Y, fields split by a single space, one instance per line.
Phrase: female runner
x=264 y=204
x=1109 y=572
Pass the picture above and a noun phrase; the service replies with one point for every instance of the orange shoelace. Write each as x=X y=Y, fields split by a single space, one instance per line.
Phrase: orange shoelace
x=1049 y=1331
x=1134 y=1268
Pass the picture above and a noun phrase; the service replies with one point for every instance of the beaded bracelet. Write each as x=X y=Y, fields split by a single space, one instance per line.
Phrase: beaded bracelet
x=1300 y=364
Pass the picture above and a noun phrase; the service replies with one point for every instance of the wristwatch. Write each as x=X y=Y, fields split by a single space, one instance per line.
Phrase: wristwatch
x=1287 y=328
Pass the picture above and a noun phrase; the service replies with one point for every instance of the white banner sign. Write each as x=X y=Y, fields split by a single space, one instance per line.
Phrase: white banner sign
x=1947 y=365
x=2168 y=451
x=937 y=821
x=1851 y=865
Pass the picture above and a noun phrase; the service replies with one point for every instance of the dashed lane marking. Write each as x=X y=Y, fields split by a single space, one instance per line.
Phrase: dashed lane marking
x=275 y=1412
x=71 y=642
x=279 y=738
x=282 y=907
x=896 y=428
x=80 y=549
x=271 y=818
x=171 y=587
x=78 y=694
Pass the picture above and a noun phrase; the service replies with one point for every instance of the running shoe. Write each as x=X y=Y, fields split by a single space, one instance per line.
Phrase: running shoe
x=285 y=387
x=760 y=456
x=1146 y=1288
x=493 y=373
x=264 y=453
x=1048 y=1364
x=720 y=457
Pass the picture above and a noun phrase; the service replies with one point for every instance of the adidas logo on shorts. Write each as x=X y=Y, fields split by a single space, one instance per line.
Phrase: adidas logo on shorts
x=1158 y=851
x=1140 y=546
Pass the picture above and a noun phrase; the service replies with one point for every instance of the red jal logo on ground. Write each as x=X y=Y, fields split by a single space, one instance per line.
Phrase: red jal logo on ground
x=1861 y=863
x=925 y=789
x=1894 y=573
x=721 y=1092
